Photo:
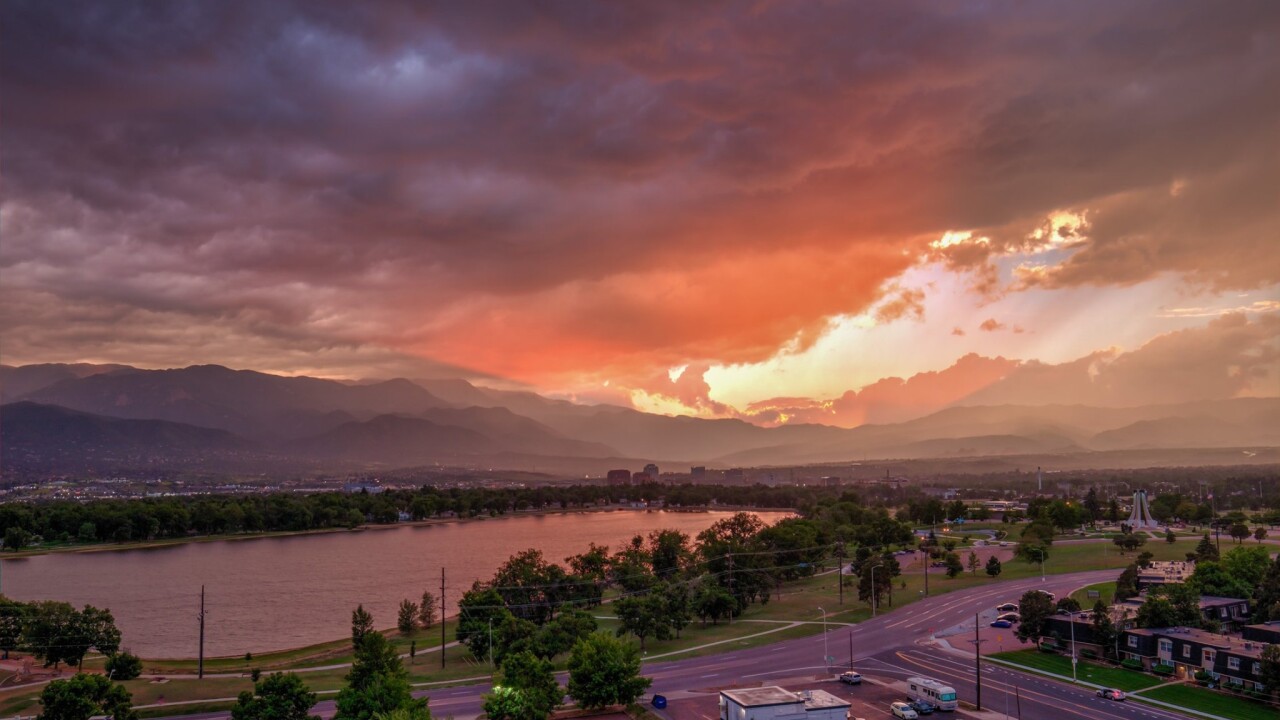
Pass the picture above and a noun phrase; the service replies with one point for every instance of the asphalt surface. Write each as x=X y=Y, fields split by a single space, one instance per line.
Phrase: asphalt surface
x=886 y=650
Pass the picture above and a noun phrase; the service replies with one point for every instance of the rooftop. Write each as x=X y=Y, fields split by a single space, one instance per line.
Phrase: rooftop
x=820 y=699
x=774 y=695
x=761 y=696
x=1229 y=643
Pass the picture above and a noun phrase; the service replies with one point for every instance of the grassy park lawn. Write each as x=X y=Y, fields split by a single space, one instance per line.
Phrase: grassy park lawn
x=1106 y=593
x=1119 y=678
x=1212 y=702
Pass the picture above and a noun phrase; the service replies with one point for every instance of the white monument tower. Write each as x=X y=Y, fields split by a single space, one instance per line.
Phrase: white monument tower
x=1140 y=518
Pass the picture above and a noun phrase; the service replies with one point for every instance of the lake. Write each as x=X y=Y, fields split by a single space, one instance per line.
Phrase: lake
x=275 y=593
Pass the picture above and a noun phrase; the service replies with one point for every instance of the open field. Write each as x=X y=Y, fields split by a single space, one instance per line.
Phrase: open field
x=1106 y=593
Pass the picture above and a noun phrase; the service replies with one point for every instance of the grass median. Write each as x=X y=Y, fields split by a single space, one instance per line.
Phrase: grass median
x=1119 y=678
x=1212 y=702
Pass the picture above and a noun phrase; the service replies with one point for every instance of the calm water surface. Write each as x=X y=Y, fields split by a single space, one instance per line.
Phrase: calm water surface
x=275 y=593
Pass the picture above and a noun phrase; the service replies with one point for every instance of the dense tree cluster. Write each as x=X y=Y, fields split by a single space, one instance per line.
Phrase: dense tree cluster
x=176 y=517
x=55 y=632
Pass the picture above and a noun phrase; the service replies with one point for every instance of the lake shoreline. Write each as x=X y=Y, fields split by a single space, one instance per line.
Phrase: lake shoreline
x=175 y=542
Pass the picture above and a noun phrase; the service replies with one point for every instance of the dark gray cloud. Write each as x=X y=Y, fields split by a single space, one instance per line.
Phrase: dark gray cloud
x=396 y=176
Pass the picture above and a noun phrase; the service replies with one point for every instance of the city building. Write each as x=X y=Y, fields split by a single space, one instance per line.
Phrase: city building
x=735 y=476
x=652 y=471
x=619 y=477
x=1164 y=573
x=698 y=473
x=775 y=703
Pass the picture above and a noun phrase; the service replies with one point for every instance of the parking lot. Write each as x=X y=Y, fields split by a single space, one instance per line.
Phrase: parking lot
x=870 y=701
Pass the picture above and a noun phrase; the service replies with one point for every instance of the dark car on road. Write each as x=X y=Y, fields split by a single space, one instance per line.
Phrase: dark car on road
x=1001 y=624
x=923 y=707
x=1007 y=607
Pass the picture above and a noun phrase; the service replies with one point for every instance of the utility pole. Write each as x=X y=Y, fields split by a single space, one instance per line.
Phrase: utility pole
x=977 y=659
x=735 y=597
x=1072 y=619
x=850 y=648
x=825 y=651
x=926 y=573
x=875 y=593
x=442 y=640
x=200 y=662
x=840 y=572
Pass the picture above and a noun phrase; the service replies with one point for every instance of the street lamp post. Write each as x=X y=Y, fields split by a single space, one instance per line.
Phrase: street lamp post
x=874 y=594
x=490 y=642
x=1072 y=619
x=825 y=654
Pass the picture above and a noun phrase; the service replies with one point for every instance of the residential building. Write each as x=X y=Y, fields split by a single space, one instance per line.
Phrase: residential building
x=1226 y=659
x=652 y=471
x=1228 y=613
x=619 y=477
x=1268 y=632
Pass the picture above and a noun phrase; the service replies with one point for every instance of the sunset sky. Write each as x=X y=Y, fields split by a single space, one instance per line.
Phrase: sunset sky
x=837 y=212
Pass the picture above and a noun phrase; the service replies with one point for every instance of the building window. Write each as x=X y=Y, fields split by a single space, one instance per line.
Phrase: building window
x=1166 y=646
x=1210 y=656
x=1133 y=641
x=1233 y=663
x=1257 y=668
x=1186 y=651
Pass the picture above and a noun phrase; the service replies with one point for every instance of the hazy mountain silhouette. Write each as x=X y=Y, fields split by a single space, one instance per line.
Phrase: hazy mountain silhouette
x=400 y=423
x=246 y=402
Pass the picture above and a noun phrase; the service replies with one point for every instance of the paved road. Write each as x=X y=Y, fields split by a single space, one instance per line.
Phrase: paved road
x=889 y=648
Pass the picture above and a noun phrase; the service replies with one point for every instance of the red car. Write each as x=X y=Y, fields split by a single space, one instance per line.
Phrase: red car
x=1111 y=694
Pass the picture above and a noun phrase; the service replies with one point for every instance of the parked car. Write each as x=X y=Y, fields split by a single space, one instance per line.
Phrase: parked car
x=1001 y=624
x=903 y=711
x=1007 y=607
x=1011 y=617
x=1111 y=694
x=850 y=677
x=923 y=707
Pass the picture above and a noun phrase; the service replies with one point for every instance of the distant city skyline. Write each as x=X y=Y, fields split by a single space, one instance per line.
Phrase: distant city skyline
x=783 y=212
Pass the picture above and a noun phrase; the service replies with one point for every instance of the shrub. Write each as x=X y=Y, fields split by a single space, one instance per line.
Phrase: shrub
x=1134 y=664
x=1161 y=669
x=1090 y=654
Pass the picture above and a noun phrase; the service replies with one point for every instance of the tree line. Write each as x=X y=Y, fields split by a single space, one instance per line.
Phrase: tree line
x=142 y=519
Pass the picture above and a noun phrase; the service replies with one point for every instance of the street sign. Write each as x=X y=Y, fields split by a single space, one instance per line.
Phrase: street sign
x=1094 y=594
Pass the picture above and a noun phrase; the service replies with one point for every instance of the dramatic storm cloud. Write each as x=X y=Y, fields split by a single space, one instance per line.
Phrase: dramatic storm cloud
x=571 y=193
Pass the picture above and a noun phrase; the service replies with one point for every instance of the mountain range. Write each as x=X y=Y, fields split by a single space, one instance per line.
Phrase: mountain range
x=67 y=417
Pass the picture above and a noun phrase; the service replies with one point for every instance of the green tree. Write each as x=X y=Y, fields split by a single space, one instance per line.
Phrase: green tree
x=525 y=689
x=1211 y=578
x=1239 y=531
x=1034 y=608
x=1033 y=552
x=479 y=610
x=1248 y=565
x=643 y=616
x=1113 y=511
x=427 y=610
x=1271 y=668
x=16 y=538
x=85 y=696
x=974 y=562
x=123 y=666
x=561 y=634
x=668 y=552
x=1169 y=537
x=1259 y=533
x=1104 y=628
x=677 y=604
x=12 y=620
x=279 y=696
x=1093 y=505
x=87 y=533
x=407 y=617
x=55 y=632
x=1067 y=604
x=1267 y=596
x=1127 y=583
x=954 y=566
x=1129 y=541
x=1206 y=549
x=377 y=682
x=605 y=671
x=1169 y=606
x=713 y=602
x=993 y=566
x=361 y=625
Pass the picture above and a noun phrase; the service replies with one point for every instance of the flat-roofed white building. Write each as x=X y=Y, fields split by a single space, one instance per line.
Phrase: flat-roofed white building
x=775 y=703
